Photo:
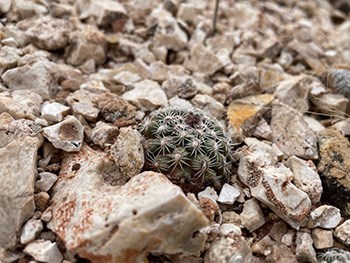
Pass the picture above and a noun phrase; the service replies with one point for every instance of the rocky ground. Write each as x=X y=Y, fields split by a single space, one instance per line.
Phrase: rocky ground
x=79 y=80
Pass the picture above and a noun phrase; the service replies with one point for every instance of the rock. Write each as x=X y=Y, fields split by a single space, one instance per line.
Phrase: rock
x=67 y=135
x=41 y=201
x=22 y=9
x=183 y=88
x=9 y=57
x=270 y=183
x=31 y=230
x=209 y=208
x=230 y=229
x=208 y=192
x=298 y=139
x=106 y=12
x=21 y=104
x=263 y=246
x=128 y=218
x=44 y=251
x=127 y=78
x=231 y=217
x=54 y=112
x=262 y=130
x=228 y=194
x=288 y=239
x=128 y=152
x=40 y=77
x=11 y=129
x=87 y=43
x=304 y=250
x=342 y=233
x=333 y=167
x=325 y=216
x=252 y=217
x=210 y=105
x=203 y=60
x=104 y=134
x=46 y=181
x=332 y=104
x=281 y=254
x=337 y=80
x=146 y=95
x=322 y=238
x=278 y=230
x=343 y=126
x=8 y=256
x=306 y=177
x=49 y=33
x=230 y=248
x=188 y=12
x=18 y=168
x=294 y=92
x=313 y=124
x=5 y=6
x=244 y=114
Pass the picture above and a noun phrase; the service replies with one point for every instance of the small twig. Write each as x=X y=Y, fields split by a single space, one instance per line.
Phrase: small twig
x=215 y=17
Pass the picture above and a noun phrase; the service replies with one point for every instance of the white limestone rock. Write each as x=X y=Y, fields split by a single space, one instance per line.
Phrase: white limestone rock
x=271 y=183
x=146 y=94
x=228 y=194
x=46 y=181
x=208 y=192
x=330 y=103
x=49 y=33
x=40 y=77
x=21 y=104
x=252 y=217
x=54 y=111
x=18 y=170
x=324 y=216
x=44 y=251
x=304 y=250
x=31 y=230
x=342 y=233
x=9 y=57
x=306 y=177
x=127 y=78
x=298 y=139
x=121 y=222
x=230 y=229
x=67 y=135
x=128 y=152
x=209 y=105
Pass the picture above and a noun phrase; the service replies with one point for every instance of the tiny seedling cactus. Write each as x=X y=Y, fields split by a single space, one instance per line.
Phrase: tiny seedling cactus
x=334 y=256
x=188 y=146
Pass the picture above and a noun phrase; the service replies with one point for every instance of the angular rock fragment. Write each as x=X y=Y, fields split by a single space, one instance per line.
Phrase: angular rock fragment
x=40 y=77
x=306 y=177
x=21 y=104
x=271 y=183
x=304 y=250
x=228 y=194
x=210 y=105
x=183 y=88
x=54 y=112
x=67 y=135
x=291 y=134
x=9 y=57
x=49 y=33
x=88 y=43
x=342 y=233
x=107 y=223
x=147 y=95
x=208 y=192
x=334 y=166
x=343 y=126
x=44 y=251
x=104 y=134
x=230 y=248
x=322 y=238
x=324 y=216
x=46 y=181
x=203 y=60
x=17 y=176
x=31 y=230
x=281 y=254
x=332 y=104
x=252 y=217
x=263 y=130
x=128 y=152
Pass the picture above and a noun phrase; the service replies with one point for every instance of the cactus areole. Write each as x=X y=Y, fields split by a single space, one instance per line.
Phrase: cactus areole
x=188 y=146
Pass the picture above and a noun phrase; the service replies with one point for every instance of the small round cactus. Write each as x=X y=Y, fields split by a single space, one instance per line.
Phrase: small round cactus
x=188 y=146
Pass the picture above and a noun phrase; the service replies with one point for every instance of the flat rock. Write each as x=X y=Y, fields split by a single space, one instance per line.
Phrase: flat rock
x=322 y=238
x=342 y=233
x=271 y=183
x=67 y=135
x=49 y=33
x=114 y=223
x=306 y=177
x=230 y=248
x=44 y=251
x=46 y=181
x=252 y=217
x=203 y=60
x=128 y=152
x=21 y=104
x=291 y=134
x=333 y=167
x=228 y=194
x=54 y=111
x=88 y=43
x=18 y=171
x=208 y=192
x=324 y=216
x=146 y=94
x=40 y=77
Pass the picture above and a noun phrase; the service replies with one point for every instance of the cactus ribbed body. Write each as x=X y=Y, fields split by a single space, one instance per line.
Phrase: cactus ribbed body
x=188 y=146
